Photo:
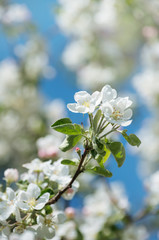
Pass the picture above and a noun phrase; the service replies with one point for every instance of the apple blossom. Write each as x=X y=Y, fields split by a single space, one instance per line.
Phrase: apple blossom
x=45 y=227
x=29 y=200
x=11 y=175
x=10 y=206
x=36 y=165
x=86 y=103
x=117 y=111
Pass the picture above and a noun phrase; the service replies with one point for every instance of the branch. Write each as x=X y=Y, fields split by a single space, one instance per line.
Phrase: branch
x=78 y=171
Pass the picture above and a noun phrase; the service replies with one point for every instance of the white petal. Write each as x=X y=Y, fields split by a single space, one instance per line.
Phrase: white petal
x=126 y=123
x=82 y=96
x=82 y=109
x=5 y=211
x=108 y=93
x=22 y=196
x=107 y=109
x=40 y=220
x=123 y=103
x=10 y=193
x=128 y=103
x=128 y=114
x=17 y=215
x=28 y=235
x=22 y=205
x=96 y=98
x=72 y=107
x=33 y=190
x=40 y=203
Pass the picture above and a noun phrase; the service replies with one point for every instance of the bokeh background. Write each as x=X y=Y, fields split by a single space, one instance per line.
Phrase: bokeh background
x=51 y=49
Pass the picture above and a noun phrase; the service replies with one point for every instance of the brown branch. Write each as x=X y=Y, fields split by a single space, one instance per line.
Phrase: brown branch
x=69 y=185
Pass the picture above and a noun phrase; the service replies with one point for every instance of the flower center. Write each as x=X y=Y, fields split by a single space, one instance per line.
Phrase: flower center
x=48 y=222
x=86 y=104
x=116 y=114
x=32 y=202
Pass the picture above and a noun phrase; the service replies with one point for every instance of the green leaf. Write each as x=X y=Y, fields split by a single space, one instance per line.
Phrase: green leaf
x=132 y=139
x=101 y=157
x=48 y=209
x=118 y=152
x=99 y=160
x=99 y=146
x=69 y=142
x=61 y=122
x=69 y=129
x=68 y=162
x=49 y=190
x=107 y=155
x=101 y=171
x=96 y=119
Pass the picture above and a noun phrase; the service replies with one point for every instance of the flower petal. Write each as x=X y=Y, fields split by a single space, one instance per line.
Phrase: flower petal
x=5 y=210
x=107 y=109
x=10 y=193
x=72 y=107
x=23 y=206
x=126 y=123
x=96 y=98
x=108 y=93
x=128 y=113
x=40 y=203
x=82 y=96
x=33 y=190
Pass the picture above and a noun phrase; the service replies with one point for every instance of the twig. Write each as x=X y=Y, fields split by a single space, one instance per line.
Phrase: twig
x=69 y=185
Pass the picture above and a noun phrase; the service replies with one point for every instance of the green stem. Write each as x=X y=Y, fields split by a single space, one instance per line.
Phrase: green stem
x=91 y=119
x=100 y=123
x=102 y=128
x=113 y=130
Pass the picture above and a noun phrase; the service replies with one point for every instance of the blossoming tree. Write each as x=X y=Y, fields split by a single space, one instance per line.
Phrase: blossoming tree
x=31 y=208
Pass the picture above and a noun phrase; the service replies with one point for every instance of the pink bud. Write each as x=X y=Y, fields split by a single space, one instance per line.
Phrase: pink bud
x=77 y=149
x=70 y=212
x=70 y=191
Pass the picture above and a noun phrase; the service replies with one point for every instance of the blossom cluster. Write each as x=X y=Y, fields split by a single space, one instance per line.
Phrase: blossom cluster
x=32 y=196
x=115 y=109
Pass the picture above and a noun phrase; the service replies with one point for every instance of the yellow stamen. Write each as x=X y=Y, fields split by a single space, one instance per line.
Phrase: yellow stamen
x=86 y=104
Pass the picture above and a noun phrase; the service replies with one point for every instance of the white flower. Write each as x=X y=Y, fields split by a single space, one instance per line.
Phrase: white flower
x=69 y=194
x=86 y=103
x=48 y=146
x=116 y=111
x=28 y=200
x=9 y=206
x=58 y=173
x=36 y=165
x=45 y=227
x=108 y=93
x=11 y=175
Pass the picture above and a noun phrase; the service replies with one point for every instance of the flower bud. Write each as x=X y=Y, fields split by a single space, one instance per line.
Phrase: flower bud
x=70 y=212
x=11 y=175
x=78 y=151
